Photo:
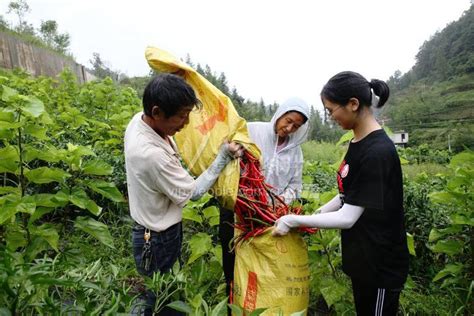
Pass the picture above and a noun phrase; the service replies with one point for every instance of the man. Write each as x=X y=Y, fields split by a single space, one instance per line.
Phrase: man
x=158 y=186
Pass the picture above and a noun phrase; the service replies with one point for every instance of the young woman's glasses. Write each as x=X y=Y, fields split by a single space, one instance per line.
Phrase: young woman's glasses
x=331 y=112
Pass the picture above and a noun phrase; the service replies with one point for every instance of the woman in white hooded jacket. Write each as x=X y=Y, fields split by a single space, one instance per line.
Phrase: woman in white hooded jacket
x=279 y=141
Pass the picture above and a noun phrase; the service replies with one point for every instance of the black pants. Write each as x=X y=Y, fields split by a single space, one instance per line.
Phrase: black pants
x=375 y=301
x=166 y=248
x=226 y=233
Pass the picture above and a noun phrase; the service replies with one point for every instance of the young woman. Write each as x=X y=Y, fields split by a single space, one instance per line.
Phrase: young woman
x=369 y=206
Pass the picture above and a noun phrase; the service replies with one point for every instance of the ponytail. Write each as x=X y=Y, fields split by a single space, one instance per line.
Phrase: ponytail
x=380 y=89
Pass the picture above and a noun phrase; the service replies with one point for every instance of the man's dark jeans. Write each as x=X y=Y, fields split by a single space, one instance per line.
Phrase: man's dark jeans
x=166 y=249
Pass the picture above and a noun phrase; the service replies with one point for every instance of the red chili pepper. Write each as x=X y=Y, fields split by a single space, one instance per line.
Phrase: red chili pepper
x=257 y=207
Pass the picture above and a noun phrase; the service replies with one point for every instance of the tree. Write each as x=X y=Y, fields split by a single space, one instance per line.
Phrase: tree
x=100 y=69
x=189 y=61
x=48 y=30
x=3 y=23
x=222 y=84
x=61 y=42
x=20 y=8
x=50 y=35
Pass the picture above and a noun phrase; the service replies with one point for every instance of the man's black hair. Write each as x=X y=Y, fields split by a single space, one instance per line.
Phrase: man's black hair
x=170 y=93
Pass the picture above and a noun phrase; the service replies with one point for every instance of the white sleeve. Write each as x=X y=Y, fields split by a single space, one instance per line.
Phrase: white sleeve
x=210 y=175
x=345 y=218
x=332 y=205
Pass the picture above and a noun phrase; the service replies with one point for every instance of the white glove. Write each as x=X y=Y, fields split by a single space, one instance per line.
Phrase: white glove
x=282 y=225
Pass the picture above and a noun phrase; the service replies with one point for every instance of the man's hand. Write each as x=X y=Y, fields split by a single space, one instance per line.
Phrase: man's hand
x=235 y=150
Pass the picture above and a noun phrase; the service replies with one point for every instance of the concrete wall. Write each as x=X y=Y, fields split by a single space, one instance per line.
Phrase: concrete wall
x=37 y=61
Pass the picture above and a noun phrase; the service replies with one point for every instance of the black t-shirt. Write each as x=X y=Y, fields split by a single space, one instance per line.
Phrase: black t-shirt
x=374 y=250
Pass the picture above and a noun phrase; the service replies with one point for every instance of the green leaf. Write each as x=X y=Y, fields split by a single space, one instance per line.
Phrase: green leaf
x=9 y=159
x=97 y=167
x=442 y=197
x=79 y=198
x=449 y=247
x=33 y=106
x=210 y=211
x=7 y=213
x=8 y=125
x=46 y=175
x=36 y=246
x=307 y=179
x=80 y=151
x=236 y=310
x=214 y=221
x=106 y=189
x=465 y=158
x=16 y=238
x=181 y=307
x=43 y=199
x=192 y=214
x=332 y=291
x=9 y=209
x=403 y=161
x=96 y=229
x=436 y=233
x=62 y=196
x=48 y=154
x=449 y=269
x=309 y=195
x=200 y=244
x=345 y=138
x=220 y=309
x=7 y=116
x=48 y=233
x=39 y=212
x=199 y=203
x=257 y=311
x=36 y=131
x=99 y=125
x=411 y=244
x=10 y=190
x=7 y=93
x=462 y=219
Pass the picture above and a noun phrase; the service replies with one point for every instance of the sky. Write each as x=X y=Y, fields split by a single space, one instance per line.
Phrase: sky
x=268 y=50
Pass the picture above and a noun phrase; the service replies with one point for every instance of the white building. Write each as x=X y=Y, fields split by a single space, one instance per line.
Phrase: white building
x=400 y=138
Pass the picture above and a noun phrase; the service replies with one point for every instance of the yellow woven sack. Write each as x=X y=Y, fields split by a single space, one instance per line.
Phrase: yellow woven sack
x=199 y=142
x=272 y=272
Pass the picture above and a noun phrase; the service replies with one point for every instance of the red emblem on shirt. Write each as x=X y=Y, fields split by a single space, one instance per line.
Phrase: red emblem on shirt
x=339 y=178
x=345 y=171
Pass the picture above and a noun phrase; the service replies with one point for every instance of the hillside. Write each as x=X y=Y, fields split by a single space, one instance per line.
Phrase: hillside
x=434 y=101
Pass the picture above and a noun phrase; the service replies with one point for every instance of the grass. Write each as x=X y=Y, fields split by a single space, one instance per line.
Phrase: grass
x=323 y=152
x=431 y=169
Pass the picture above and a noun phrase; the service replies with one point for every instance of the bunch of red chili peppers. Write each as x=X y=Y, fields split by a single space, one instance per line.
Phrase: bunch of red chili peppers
x=257 y=207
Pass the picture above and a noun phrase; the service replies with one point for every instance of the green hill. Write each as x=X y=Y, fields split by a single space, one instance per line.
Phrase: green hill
x=434 y=101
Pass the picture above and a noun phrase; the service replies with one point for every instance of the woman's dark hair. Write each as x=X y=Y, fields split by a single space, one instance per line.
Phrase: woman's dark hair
x=348 y=84
x=304 y=116
x=170 y=93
